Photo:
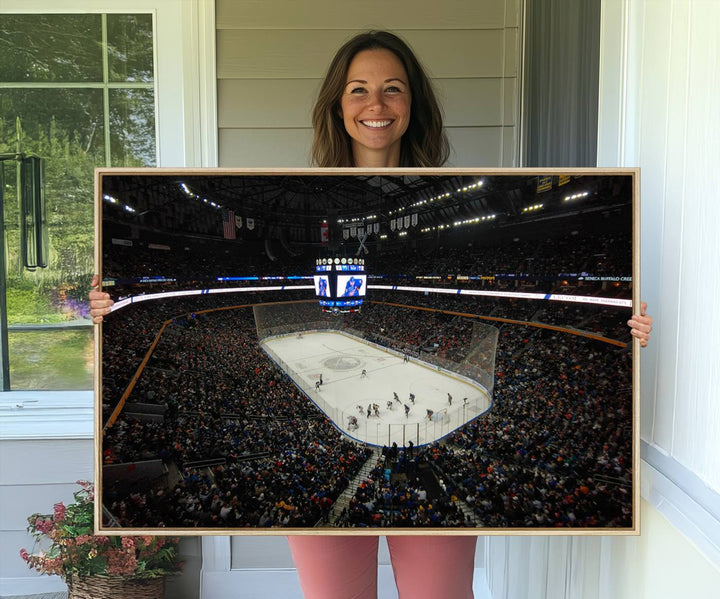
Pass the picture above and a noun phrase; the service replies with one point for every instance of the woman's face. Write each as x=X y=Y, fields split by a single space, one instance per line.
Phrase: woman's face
x=375 y=107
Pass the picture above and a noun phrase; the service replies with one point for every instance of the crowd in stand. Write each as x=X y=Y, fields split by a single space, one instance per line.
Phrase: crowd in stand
x=395 y=495
x=555 y=450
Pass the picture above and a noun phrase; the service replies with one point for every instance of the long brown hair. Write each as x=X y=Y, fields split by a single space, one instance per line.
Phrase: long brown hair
x=423 y=144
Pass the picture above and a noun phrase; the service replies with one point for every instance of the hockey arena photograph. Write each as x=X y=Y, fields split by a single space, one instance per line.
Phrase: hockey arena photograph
x=384 y=352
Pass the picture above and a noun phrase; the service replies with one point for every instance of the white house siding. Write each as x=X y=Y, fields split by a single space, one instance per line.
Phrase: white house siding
x=271 y=58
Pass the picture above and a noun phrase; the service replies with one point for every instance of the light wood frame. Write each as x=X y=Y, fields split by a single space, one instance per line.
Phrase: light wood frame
x=631 y=433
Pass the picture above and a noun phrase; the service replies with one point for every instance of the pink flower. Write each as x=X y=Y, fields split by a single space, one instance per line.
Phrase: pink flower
x=121 y=562
x=59 y=512
x=44 y=526
x=128 y=543
x=25 y=555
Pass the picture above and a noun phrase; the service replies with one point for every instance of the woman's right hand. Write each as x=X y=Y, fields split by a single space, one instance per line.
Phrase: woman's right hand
x=100 y=301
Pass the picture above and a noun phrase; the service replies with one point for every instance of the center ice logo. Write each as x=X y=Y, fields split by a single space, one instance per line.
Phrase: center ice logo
x=342 y=363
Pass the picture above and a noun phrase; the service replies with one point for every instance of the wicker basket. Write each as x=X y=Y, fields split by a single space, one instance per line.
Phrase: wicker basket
x=116 y=587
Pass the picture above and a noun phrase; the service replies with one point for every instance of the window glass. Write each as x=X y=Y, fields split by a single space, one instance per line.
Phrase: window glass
x=129 y=38
x=55 y=358
x=132 y=127
x=59 y=102
x=38 y=48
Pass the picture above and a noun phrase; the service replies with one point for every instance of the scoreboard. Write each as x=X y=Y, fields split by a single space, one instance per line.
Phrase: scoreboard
x=340 y=284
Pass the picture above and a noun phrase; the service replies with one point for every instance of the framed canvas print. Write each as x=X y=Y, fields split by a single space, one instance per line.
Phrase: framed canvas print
x=367 y=352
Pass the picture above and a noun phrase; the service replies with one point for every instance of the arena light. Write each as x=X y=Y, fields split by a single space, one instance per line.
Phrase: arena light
x=463 y=223
x=357 y=219
x=113 y=200
x=470 y=187
x=575 y=196
x=193 y=196
x=533 y=208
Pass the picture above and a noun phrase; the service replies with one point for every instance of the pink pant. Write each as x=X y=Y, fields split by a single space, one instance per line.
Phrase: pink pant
x=425 y=567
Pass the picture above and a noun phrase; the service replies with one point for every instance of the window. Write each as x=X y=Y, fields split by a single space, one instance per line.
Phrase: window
x=77 y=90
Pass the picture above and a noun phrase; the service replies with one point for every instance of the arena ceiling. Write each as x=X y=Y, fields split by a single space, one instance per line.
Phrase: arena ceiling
x=296 y=203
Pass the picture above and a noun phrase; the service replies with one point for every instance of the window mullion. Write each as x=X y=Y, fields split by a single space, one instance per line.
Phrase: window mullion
x=106 y=89
x=4 y=347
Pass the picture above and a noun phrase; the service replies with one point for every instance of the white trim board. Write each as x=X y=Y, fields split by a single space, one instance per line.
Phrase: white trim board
x=46 y=415
x=250 y=584
x=692 y=508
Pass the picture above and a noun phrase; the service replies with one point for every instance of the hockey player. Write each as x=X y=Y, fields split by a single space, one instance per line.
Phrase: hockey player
x=429 y=414
x=412 y=398
x=449 y=399
x=363 y=374
x=389 y=405
x=317 y=385
x=407 y=410
x=395 y=397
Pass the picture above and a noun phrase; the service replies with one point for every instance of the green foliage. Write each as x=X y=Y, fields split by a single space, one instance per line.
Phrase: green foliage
x=27 y=304
x=66 y=357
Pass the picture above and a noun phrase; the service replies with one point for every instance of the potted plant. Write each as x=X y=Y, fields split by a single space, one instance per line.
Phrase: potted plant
x=97 y=566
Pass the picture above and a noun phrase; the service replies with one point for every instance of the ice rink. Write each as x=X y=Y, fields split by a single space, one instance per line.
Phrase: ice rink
x=341 y=358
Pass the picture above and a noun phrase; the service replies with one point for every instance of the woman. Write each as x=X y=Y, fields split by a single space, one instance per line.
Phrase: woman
x=376 y=108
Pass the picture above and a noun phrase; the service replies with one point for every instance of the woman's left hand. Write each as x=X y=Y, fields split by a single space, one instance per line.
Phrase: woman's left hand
x=641 y=325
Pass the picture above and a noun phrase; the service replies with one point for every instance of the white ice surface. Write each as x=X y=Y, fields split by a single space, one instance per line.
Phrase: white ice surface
x=340 y=359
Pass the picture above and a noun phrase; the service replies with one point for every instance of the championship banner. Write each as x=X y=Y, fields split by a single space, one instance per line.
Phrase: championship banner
x=376 y=227
x=414 y=220
x=392 y=224
x=250 y=222
x=407 y=221
x=563 y=179
x=544 y=184
x=346 y=234
x=353 y=232
x=238 y=221
x=324 y=233
x=368 y=230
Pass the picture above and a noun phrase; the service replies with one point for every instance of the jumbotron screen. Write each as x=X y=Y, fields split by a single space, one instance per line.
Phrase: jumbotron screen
x=340 y=283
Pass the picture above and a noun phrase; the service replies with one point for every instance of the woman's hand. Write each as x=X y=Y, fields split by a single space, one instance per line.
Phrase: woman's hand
x=100 y=302
x=641 y=325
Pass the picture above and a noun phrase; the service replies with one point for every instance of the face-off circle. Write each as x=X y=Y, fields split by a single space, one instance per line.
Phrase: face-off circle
x=342 y=363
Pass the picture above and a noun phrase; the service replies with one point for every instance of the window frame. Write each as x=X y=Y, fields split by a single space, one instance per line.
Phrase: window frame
x=186 y=135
